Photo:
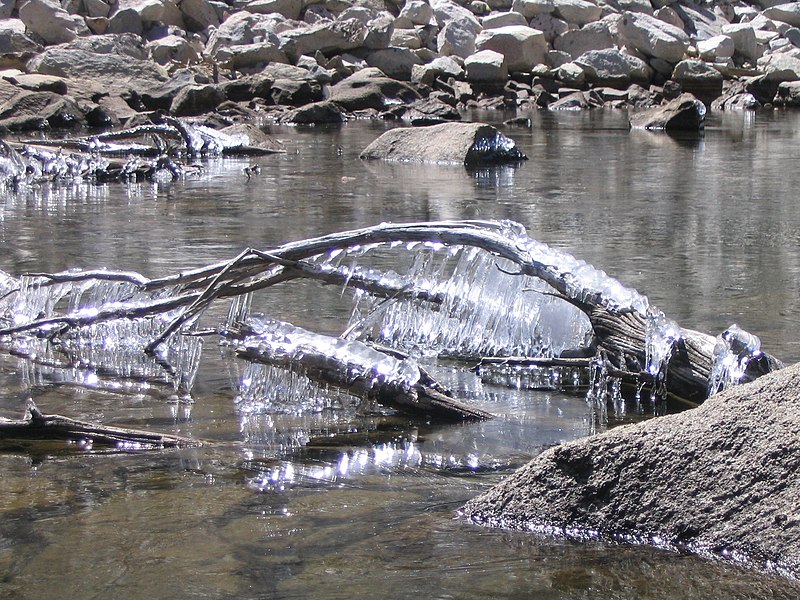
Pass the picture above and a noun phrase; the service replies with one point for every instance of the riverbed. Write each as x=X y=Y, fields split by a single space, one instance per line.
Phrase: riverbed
x=321 y=504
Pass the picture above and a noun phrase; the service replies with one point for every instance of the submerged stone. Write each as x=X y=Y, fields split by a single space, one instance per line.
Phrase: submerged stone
x=464 y=143
x=684 y=113
x=716 y=480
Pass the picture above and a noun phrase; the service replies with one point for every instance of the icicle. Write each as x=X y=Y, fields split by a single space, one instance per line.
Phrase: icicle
x=661 y=335
x=734 y=350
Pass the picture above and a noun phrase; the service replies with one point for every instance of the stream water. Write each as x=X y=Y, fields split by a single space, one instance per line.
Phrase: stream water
x=319 y=504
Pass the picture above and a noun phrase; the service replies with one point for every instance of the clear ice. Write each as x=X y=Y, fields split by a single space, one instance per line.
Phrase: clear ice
x=734 y=350
x=661 y=335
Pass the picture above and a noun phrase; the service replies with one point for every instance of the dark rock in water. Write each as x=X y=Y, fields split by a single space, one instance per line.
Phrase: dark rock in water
x=471 y=144
x=313 y=114
x=717 y=480
x=371 y=88
x=40 y=110
x=247 y=88
x=573 y=101
x=788 y=94
x=684 y=113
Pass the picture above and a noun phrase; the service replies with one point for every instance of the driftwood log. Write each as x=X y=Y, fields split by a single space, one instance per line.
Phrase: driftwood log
x=620 y=329
x=86 y=435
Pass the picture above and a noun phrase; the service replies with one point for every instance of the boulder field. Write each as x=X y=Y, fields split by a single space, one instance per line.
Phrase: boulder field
x=104 y=64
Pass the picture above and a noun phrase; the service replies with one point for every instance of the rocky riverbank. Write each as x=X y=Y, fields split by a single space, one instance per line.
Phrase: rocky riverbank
x=104 y=64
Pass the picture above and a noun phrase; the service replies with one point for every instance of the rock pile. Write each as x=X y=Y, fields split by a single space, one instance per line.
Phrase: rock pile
x=104 y=63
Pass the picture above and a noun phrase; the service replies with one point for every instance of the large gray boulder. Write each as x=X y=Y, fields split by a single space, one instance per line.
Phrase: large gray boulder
x=652 y=37
x=698 y=78
x=334 y=36
x=578 y=12
x=744 y=39
x=684 y=113
x=52 y=23
x=396 y=63
x=486 y=66
x=594 y=36
x=719 y=480
x=613 y=68
x=458 y=29
x=531 y=8
x=40 y=110
x=523 y=47
x=468 y=144
x=785 y=13
x=370 y=88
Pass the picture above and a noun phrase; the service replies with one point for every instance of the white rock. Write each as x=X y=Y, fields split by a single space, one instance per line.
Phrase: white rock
x=172 y=49
x=613 y=67
x=549 y=25
x=396 y=63
x=336 y=36
x=406 y=38
x=447 y=12
x=669 y=15
x=199 y=14
x=531 y=8
x=780 y=67
x=443 y=66
x=486 y=66
x=244 y=28
x=249 y=56
x=503 y=19
x=288 y=8
x=51 y=22
x=653 y=37
x=744 y=39
x=454 y=40
x=417 y=11
x=578 y=12
x=719 y=47
x=571 y=74
x=522 y=46
x=594 y=36
x=785 y=13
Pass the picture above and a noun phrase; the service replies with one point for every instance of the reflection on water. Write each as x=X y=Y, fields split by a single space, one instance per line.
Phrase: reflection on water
x=343 y=501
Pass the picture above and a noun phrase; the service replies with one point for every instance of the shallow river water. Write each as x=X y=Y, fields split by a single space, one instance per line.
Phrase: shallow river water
x=314 y=505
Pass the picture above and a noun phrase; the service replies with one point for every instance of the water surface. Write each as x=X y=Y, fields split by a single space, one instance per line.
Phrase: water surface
x=327 y=505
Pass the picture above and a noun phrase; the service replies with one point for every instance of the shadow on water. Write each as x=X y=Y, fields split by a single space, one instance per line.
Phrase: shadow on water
x=349 y=503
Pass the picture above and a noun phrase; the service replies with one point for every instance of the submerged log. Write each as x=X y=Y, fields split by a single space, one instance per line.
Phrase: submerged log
x=719 y=480
x=357 y=368
x=38 y=426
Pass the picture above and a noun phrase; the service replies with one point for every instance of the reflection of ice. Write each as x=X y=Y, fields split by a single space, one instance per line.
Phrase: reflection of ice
x=734 y=350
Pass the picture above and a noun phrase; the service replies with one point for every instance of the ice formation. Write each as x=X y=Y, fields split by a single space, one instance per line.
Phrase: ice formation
x=495 y=149
x=734 y=350
x=661 y=336
x=484 y=309
x=349 y=365
x=112 y=348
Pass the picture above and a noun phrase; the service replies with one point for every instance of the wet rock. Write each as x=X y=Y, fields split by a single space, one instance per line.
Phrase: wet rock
x=719 y=479
x=594 y=36
x=576 y=100
x=40 y=110
x=698 y=78
x=396 y=63
x=788 y=94
x=653 y=37
x=523 y=47
x=684 y=113
x=454 y=143
x=314 y=114
x=370 y=88
x=51 y=23
x=14 y=38
x=613 y=68
x=486 y=66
